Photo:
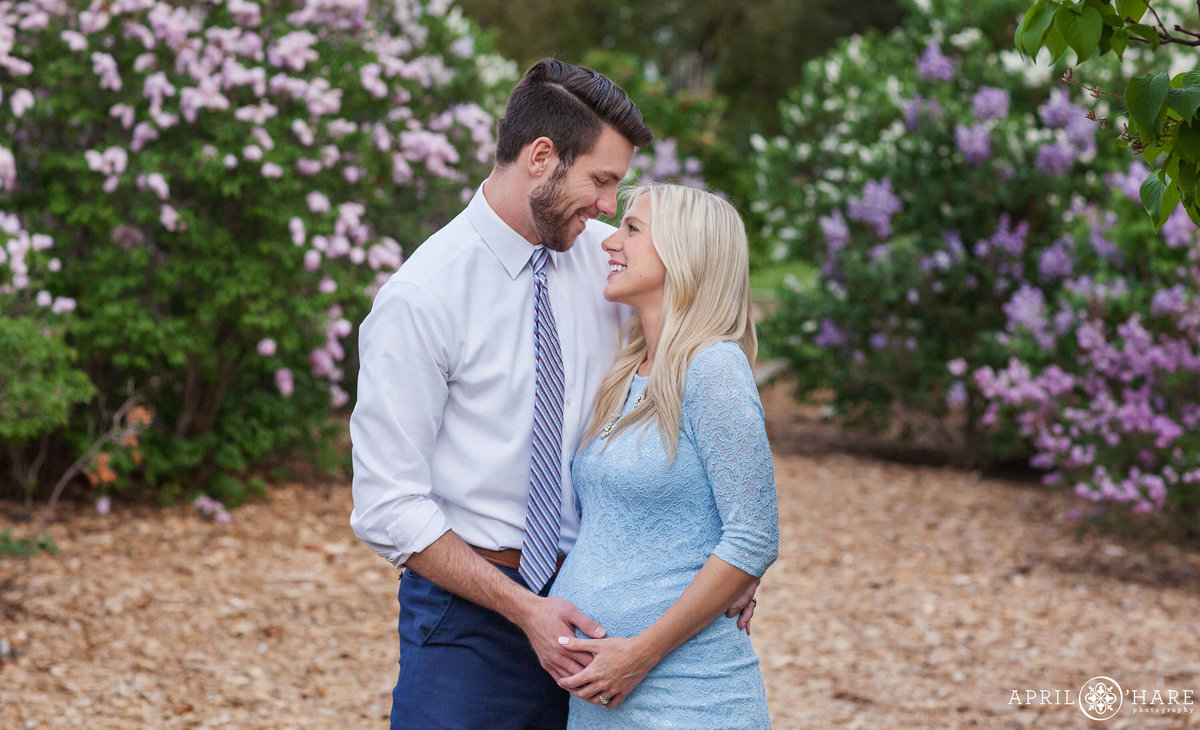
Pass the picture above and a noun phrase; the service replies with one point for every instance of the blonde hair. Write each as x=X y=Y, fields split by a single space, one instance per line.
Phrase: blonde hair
x=702 y=243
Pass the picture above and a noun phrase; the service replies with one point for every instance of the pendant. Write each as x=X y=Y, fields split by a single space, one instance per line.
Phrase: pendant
x=608 y=429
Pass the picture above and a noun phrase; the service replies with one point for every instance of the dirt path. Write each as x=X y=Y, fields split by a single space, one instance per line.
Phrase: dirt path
x=904 y=597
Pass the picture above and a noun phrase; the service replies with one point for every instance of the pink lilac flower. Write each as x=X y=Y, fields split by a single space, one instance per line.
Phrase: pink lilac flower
x=957 y=367
x=266 y=347
x=312 y=260
x=933 y=64
x=76 y=42
x=169 y=218
x=62 y=305
x=44 y=298
x=272 y=171
x=143 y=134
x=317 y=202
x=105 y=66
x=973 y=143
x=284 y=382
x=104 y=505
x=327 y=285
x=293 y=50
x=308 y=167
x=21 y=101
x=252 y=153
x=338 y=397
x=230 y=161
x=8 y=170
x=876 y=206
x=385 y=255
x=158 y=184
x=921 y=109
x=303 y=132
x=296 y=228
x=990 y=103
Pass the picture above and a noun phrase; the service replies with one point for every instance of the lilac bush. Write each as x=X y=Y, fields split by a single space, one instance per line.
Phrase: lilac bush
x=986 y=277
x=225 y=186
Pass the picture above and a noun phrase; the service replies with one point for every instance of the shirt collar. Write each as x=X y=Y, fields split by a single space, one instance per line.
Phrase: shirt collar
x=510 y=247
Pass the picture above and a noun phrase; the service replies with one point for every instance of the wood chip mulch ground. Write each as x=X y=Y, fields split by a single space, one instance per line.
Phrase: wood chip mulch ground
x=904 y=597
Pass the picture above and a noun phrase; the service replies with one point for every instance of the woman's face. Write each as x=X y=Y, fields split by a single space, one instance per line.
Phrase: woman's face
x=636 y=276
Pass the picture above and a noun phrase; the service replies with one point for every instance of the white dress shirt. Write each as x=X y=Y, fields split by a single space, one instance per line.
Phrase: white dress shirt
x=443 y=427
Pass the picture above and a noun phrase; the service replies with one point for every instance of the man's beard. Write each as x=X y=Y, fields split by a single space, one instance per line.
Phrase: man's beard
x=551 y=221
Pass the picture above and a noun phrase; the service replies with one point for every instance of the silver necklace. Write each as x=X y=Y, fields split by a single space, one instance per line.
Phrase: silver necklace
x=608 y=429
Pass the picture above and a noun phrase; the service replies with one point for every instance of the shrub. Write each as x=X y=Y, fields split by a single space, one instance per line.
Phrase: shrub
x=225 y=185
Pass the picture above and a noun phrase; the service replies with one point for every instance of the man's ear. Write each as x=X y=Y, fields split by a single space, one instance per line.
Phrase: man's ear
x=541 y=156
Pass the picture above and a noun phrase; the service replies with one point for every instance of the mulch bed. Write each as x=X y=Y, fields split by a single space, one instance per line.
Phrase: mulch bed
x=905 y=596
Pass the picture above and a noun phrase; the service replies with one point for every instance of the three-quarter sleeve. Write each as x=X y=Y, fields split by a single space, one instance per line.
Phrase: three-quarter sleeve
x=723 y=416
x=401 y=397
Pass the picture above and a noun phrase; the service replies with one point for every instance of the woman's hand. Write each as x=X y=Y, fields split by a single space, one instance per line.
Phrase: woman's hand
x=617 y=666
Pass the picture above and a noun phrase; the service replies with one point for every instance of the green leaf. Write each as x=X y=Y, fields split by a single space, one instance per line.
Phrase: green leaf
x=1080 y=26
x=1144 y=98
x=1147 y=33
x=1187 y=182
x=1152 y=192
x=1033 y=27
x=1134 y=9
x=1120 y=41
x=1187 y=140
x=1055 y=43
x=1184 y=101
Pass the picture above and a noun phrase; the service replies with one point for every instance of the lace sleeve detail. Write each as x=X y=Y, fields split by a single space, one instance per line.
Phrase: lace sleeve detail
x=723 y=416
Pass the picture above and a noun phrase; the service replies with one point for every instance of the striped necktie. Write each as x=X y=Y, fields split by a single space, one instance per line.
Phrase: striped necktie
x=539 y=553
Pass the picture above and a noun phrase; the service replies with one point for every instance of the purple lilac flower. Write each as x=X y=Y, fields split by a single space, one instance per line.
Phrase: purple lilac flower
x=956 y=394
x=1056 y=261
x=876 y=206
x=1058 y=110
x=1171 y=301
x=921 y=109
x=837 y=233
x=1027 y=310
x=1055 y=159
x=1081 y=132
x=933 y=64
x=878 y=340
x=1131 y=182
x=1178 y=229
x=973 y=143
x=990 y=103
x=829 y=336
x=957 y=367
x=1008 y=239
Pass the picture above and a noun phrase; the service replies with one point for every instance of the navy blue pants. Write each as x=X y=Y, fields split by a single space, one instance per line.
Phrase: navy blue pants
x=464 y=667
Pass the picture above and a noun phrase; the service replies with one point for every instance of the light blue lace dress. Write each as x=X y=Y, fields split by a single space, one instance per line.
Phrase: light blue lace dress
x=648 y=529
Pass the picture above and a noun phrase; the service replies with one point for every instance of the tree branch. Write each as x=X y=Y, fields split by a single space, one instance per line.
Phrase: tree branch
x=107 y=437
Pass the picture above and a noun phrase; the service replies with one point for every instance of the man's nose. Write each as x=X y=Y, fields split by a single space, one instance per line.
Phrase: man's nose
x=608 y=202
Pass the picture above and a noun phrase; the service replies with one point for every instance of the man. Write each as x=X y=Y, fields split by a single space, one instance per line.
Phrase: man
x=479 y=361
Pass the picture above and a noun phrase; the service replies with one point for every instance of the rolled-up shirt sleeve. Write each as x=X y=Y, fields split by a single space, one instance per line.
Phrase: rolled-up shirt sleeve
x=722 y=412
x=402 y=388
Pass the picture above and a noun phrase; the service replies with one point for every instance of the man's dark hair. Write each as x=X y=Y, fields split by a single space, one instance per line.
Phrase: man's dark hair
x=569 y=104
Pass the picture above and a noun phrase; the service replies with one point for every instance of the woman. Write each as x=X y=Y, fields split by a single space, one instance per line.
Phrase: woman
x=674 y=480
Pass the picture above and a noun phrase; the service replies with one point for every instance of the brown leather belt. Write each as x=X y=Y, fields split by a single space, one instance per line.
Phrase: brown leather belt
x=508 y=558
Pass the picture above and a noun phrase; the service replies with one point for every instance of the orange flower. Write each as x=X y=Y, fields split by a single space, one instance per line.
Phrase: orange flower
x=101 y=471
x=138 y=416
